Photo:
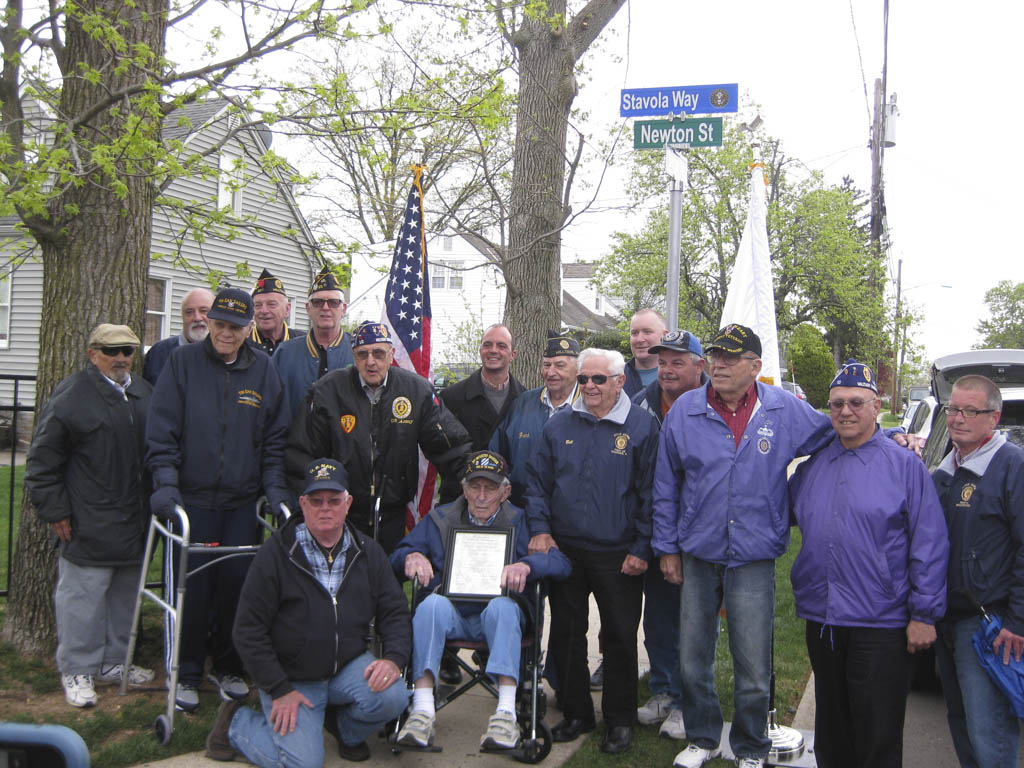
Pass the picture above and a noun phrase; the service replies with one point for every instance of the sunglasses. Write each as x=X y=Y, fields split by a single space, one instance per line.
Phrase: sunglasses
x=597 y=378
x=332 y=303
x=855 y=405
x=127 y=351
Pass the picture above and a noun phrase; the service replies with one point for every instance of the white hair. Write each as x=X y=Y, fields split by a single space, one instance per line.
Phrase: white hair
x=614 y=359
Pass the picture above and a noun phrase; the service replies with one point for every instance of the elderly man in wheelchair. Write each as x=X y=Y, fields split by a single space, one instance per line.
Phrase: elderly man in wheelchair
x=446 y=613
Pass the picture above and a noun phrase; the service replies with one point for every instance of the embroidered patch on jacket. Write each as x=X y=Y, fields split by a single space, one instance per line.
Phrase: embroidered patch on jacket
x=348 y=423
x=401 y=407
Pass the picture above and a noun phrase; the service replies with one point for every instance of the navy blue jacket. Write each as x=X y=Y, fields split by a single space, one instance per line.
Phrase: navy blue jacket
x=158 y=356
x=590 y=479
x=298 y=362
x=217 y=432
x=427 y=539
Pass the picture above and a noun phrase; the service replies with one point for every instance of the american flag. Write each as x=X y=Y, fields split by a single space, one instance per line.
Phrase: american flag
x=407 y=314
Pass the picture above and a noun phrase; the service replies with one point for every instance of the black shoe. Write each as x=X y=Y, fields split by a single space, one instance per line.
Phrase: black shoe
x=355 y=753
x=450 y=673
x=218 y=747
x=570 y=729
x=597 y=679
x=617 y=739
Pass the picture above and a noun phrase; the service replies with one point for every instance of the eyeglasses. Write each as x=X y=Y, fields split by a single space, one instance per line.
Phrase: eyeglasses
x=126 y=350
x=728 y=358
x=597 y=378
x=967 y=413
x=855 y=404
x=364 y=354
x=319 y=303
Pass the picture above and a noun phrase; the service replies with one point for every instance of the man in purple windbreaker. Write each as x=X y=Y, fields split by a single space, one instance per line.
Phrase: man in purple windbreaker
x=870 y=579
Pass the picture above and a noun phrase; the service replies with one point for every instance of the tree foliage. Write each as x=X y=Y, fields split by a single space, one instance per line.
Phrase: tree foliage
x=1005 y=326
x=822 y=267
x=812 y=363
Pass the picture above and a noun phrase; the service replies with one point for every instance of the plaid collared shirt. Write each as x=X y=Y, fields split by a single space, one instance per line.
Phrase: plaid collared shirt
x=328 y=575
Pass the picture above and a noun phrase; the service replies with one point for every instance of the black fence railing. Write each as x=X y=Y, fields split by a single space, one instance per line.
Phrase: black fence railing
x=12 y=384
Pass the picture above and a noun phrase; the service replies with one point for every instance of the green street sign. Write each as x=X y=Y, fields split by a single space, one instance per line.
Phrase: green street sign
x=692 y=132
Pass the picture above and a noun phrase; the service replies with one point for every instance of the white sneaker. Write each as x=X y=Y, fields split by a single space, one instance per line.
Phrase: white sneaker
x=655 y=710
x=673 y=727
x=418 y=730
x=750 y=762
x=78 y=690
x=186 y=698
x=136 y=675
x=502 y=732
x=694 y=756
x=232 y=687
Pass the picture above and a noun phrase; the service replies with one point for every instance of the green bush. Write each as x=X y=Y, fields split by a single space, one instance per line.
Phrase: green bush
x=813 y=365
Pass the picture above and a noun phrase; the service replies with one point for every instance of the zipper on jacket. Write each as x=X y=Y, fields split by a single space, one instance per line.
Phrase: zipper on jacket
x=373 y=447
x=444 y=435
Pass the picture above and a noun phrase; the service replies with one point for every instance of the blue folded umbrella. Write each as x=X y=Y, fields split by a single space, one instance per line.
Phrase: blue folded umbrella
x=1009 y=678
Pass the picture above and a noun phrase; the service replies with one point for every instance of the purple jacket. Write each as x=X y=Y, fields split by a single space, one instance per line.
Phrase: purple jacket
x=875 y=547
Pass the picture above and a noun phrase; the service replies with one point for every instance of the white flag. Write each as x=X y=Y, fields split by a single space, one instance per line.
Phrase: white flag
x=751 y=298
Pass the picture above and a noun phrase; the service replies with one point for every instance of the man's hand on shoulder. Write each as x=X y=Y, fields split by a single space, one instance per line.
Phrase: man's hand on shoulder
x=672 y=568
x=1009 y=643
x=514 y=576
x=62 y=528
x=914 y=443
x=919 y=636
x=381 y=674
x=541 y=543
x=284 y=712
x=633 y=565
x=418 y=567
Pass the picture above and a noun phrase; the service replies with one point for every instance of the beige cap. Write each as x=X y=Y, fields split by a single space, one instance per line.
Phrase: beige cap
x=108 y=335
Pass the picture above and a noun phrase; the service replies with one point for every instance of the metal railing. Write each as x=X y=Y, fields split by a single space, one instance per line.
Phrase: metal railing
x=15 y=409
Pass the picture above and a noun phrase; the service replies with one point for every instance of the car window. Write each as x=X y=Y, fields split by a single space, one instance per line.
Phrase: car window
x=938 y=442
x=923 y=412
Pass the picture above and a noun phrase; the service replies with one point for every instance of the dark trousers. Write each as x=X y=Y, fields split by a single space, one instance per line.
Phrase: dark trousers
x=619 y=601
x=861 y=680
x=211 y=595
x=390 y=529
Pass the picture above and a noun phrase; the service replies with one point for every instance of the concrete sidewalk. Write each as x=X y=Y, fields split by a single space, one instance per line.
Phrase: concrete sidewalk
x=459 y=727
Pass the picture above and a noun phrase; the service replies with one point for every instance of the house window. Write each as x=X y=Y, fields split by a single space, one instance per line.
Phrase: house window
x=438 y=275
x=446 y=242
x=157 y=320
x=455 y=275
x=5 y=308
x=597 y=303
x=229 y=183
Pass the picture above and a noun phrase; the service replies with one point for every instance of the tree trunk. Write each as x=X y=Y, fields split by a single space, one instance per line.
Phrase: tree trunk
x=100 y=256
x=548 y=51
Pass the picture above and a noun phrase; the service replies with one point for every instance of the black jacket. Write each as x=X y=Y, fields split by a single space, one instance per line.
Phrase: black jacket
x=468 y=401
x=288 y=627
x=377 y=444
x=217 y=432
x=85 y=463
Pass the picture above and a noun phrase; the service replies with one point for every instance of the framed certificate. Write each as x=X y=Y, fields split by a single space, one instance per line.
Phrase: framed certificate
x=474 y=561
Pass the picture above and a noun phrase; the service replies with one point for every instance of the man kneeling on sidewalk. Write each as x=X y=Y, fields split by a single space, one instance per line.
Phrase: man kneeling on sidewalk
x=500 y=621
x=301 y=628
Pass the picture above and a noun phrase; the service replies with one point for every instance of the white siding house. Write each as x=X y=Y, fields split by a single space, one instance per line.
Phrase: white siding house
x=467 y=294
x=277 y=238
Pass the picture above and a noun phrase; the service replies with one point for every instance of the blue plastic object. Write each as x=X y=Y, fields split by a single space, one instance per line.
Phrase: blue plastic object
x=1009 y=678
x=44 y=745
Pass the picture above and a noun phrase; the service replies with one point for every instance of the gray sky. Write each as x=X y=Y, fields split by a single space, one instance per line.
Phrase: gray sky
x=951 y=184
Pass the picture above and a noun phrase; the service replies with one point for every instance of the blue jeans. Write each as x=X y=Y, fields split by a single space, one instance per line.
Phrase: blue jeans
x=748 y=592
x=985 y=731
x=661 y=634
x=500 y=624
x=361 y=712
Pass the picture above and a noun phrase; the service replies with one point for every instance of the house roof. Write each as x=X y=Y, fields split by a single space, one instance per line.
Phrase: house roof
x=575 y=315
x=578 y=269
x=187 y=120
x=482 y=246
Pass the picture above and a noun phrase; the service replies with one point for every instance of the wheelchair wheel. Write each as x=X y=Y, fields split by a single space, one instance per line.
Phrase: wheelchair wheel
x=162 y=727
x=532 y=751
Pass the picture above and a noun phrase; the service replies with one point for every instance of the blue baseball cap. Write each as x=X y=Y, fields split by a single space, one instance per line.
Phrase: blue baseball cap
x=370 y=332
x=854 y=374
x=232 y=305
x=325 y=475
x=679 y=341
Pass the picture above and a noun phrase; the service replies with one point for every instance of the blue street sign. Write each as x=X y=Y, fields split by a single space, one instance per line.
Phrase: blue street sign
x=682 y=99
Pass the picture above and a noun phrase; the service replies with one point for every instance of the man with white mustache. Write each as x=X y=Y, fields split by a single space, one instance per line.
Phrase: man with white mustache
x=194 y=328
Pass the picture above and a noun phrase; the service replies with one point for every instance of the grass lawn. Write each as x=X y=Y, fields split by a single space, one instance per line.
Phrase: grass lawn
x=792 y=669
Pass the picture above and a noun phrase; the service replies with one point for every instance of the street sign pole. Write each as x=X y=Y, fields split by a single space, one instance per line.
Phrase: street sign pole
x=675 y=164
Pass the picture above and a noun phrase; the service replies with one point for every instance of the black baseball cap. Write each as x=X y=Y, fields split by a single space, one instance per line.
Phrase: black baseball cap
x=735 y=339
x=486 y=464
x=325 y=475
x=232 y=305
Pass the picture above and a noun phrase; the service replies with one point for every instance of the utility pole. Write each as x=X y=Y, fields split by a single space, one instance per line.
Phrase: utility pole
x=896 y=343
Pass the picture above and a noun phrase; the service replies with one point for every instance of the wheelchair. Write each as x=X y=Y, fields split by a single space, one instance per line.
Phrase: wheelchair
x=164 y=724
x=531 y=701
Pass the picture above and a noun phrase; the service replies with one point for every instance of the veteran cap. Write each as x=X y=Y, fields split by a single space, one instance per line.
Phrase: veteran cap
x=561 y=345
x=736 y=339
x=268 y=283
x=108 y=335
x=232 y=305
x=325 y=475
x=325 y=280
x=679 y=341
x=854 y=374
x=370 y=332
x=486 y=464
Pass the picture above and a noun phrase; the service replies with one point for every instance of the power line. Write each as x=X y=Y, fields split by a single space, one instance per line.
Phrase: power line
x=860 y=58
